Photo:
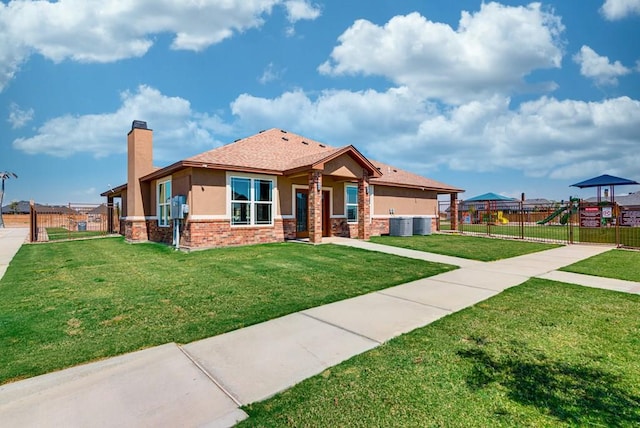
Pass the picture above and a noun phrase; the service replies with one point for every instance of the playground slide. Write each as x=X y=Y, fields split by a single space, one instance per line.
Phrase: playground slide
x=553 y=215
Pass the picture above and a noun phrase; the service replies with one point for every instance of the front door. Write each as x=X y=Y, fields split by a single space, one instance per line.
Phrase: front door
x=302 y=213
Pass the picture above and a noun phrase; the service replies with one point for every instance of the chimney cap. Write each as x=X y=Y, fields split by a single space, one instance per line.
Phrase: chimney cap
x=138 y=124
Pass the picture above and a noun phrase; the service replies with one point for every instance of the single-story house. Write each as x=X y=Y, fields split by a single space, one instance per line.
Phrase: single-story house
x=268 y=187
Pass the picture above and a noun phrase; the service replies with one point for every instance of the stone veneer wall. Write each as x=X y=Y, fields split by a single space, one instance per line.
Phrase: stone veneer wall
x=219 y=233
x=340 y=227
x=379 y=226
x=159 y=234
x=289 y=228
x=135 y=231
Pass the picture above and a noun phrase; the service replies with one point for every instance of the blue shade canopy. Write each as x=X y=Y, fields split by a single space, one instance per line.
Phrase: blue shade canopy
x=604 y=180
x=489 y=197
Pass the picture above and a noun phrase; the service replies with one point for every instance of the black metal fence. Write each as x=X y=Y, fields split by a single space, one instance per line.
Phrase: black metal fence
x=72 y=221
x=573 y=221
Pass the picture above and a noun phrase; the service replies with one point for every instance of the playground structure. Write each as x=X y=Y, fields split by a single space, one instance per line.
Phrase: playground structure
x=565 y=212
x=596 y=220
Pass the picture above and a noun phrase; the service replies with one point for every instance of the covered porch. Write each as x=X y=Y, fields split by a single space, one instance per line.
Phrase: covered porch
x=345 y=171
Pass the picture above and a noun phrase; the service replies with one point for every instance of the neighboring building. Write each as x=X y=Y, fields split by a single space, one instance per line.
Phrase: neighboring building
x=630 y=199
x=268 y=187
x=23 y=207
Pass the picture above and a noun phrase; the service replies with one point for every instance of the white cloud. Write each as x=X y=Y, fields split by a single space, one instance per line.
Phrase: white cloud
x=270 y=74
x=353 y=116
x=301 y=9
x=542 y=138
x=618 y=9
x=298 y=10
x=19 y=117
x=491 y=51
x=598 y=67
x=111 y=30
x=545 y=137
x=181 y=132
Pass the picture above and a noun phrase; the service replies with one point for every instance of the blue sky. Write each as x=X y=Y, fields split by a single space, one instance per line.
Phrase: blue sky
x=504 y=97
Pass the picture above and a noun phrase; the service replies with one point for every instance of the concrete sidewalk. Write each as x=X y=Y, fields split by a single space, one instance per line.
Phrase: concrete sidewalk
x=11 y=239
x=205 y=382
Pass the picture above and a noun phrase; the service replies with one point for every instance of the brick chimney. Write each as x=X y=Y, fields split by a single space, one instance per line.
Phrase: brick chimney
x=139 y=164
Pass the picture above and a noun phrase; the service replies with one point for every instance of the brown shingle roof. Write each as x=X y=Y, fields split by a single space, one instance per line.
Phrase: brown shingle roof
x=394 y=176
x=278 y=152
x=273 y=150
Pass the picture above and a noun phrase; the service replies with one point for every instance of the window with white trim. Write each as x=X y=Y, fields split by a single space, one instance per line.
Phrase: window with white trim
x=251 y=201
x=351 y=202
x=164 y=203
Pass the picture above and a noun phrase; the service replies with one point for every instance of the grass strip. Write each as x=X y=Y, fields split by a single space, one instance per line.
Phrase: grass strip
x=60 y=233
x=67 y=303
x=468 y=247
x=618 y=264
x=540 y=354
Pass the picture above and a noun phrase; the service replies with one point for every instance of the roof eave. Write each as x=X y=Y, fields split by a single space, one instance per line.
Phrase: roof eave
x=206 y=165
x=116 y=191
x=440 y=190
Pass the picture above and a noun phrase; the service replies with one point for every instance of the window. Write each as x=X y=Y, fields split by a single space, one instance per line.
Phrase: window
x=263 y=202
x=352 y=204
x=251 y=201
x=240 y=201
x=164 y=203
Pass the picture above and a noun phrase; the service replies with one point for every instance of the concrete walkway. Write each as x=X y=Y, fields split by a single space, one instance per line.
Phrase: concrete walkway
x=204 y=383
x=11 y=239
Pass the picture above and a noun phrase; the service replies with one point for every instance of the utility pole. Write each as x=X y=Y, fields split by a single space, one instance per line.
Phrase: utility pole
x=4 y=175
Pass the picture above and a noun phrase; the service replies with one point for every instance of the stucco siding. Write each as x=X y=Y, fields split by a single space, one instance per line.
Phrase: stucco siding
x=209 y=192
x=343 y=166
x=404 y=201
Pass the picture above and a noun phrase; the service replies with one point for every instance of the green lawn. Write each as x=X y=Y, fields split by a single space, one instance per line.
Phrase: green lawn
x=60 y=233
x=540 y=354
x=468 y=247
x=619 y=264
x=66 y=303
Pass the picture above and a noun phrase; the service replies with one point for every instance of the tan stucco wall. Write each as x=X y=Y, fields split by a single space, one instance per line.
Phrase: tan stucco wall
x=181 y=183
x=139 y=164
x=343 y=166
x=123 y=199
x=404 y=201
x=285 y=193
x=338 y=197
x=209 y=192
